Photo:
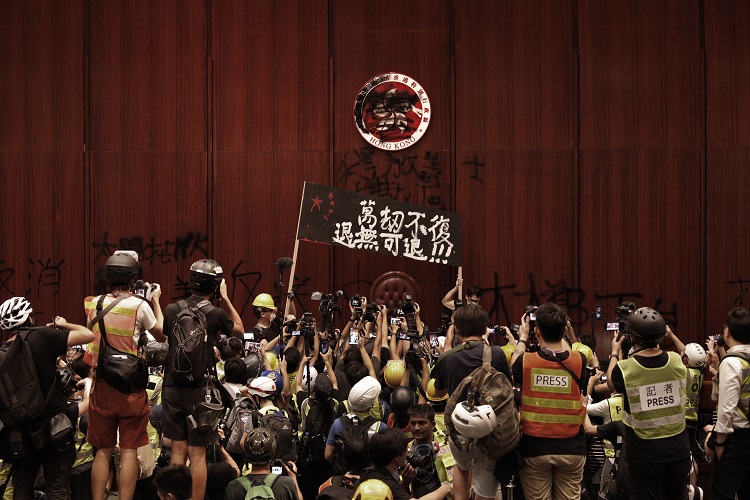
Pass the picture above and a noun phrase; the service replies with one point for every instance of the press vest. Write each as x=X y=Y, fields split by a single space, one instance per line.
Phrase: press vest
x=550 y=398
x=4 y=472
x=656 y=397
x=120 y=323
x=154 y=440
x=693 y=392
x=615 y=415
x=743 y=403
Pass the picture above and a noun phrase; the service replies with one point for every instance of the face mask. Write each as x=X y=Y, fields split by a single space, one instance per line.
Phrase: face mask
x=273 y=316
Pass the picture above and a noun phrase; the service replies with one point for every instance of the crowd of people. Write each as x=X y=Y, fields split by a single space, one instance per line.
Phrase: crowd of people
x=188 y=403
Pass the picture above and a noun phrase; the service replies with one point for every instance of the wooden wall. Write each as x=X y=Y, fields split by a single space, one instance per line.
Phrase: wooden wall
x=597 y=151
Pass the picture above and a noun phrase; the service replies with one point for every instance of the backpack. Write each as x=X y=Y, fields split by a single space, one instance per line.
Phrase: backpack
x=21 y=398
x=493 y=389
x=191 y=355
x=313 y=442
x=354 y=428
x=341 y=488
x=257 y=489
x=280 y=426
x=242 y=410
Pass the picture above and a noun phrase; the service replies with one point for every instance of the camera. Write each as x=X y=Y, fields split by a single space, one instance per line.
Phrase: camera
x=324 y=346
x=329 y=302
x=396 y=321
x=370 y=312
x=277 y=467
x=142 y=289
x=354 y=336
x=356 y=303
x=531 y=312
x=408 y=306
x=623 y=312
x=289 y=327
x=421 y=456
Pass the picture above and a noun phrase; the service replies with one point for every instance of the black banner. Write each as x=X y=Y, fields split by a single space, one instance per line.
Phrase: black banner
x=354 y=220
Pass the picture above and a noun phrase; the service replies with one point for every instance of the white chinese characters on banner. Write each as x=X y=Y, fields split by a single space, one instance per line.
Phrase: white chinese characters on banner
x=403 y=235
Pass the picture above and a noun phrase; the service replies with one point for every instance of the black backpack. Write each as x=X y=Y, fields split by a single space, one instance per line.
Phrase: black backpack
x=281 y=427
x=313 y=441
x=191 y=354
x=341 y=488
x=354 y=428
x=21 y=398
x=242 y=410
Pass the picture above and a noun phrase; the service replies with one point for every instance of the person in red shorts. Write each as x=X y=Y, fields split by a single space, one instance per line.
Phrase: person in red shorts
x=111 y=411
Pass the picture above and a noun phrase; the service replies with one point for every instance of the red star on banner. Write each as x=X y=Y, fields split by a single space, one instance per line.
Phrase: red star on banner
x=316 y=203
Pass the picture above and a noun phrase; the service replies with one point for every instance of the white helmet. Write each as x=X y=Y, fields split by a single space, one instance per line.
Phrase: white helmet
x=309 y=374
x=473 y=422
x=14 y=312
x=694 y=356
x=364 y=393
x=264 y=387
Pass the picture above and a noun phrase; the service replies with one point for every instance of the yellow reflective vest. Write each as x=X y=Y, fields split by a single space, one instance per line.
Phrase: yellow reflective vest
x=656 y=397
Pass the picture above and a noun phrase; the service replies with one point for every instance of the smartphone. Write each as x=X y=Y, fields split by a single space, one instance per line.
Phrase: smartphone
x=324 y=346
x=434 y=340
x=515 y=327
x=295 y=333
x=395 y=321
x=613 y=326
x=598 y=312
x=248 y=336
x=354 y=336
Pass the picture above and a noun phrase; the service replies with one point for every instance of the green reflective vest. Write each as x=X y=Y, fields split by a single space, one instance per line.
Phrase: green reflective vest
x=693 y=392
x=656 y=397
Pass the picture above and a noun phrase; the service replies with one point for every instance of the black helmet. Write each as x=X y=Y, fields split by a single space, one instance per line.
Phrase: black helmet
x=205 y=275
x=260 y=446
x=121 y=268
x=254 y=365
x=647 y=324
x=156 y=353
x=67 y=378
x=402 y=398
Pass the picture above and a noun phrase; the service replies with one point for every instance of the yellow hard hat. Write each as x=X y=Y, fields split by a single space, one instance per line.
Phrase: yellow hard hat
x=264 y=300
x=431 y=392
x=372 y=489
x=508 y=350
x=272 y=359
x=394 y=372
x=583 y=349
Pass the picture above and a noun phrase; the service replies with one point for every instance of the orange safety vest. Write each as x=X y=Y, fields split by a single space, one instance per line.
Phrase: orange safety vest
x=120 y=324
x=551 y=404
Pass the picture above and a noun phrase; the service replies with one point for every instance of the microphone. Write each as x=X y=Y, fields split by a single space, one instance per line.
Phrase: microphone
x=339 y=293
x=284 y=263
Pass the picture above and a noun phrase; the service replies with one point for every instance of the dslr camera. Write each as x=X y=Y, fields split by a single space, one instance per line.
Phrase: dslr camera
x=370 y=313
x=623 y=312
x=421 y=457
x=142 y=289
x=408 y=306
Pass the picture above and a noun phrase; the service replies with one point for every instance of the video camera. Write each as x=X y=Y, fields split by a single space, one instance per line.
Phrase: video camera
x=329 y=302
x=623 y=312
x=533 y=344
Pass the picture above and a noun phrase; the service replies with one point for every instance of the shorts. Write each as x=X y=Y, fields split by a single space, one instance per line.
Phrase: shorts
x=112 y=411
x=472 y=457
x=178 y=402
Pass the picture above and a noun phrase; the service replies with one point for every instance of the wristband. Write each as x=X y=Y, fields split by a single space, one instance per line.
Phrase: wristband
x=614 y=356
x=720 y=445
x=522 y=340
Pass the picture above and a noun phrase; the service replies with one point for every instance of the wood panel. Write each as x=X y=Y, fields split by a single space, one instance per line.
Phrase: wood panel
x=41 y=90
x=148 y=75
x=641 y=235
x=727 y=245
x=156 y=204
x=271 y=75
x=515 y=75
x=641 y=74
x=256 y=208
x=727 y=25
x=411 y=38
x=520 y=229
x=41 y=253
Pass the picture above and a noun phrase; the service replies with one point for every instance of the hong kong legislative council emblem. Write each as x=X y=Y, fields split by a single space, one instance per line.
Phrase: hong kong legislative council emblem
x=392 y=111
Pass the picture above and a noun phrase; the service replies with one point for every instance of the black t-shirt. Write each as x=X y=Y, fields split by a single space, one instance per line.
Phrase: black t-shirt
x=533 y=446
x=217 y=320
x=650 y=450
x=382 y=474
x=454 y=366
x=46 y=345
x=218 y=477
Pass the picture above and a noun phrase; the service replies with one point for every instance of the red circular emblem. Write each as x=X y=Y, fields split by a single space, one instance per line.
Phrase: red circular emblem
x=392 y=111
